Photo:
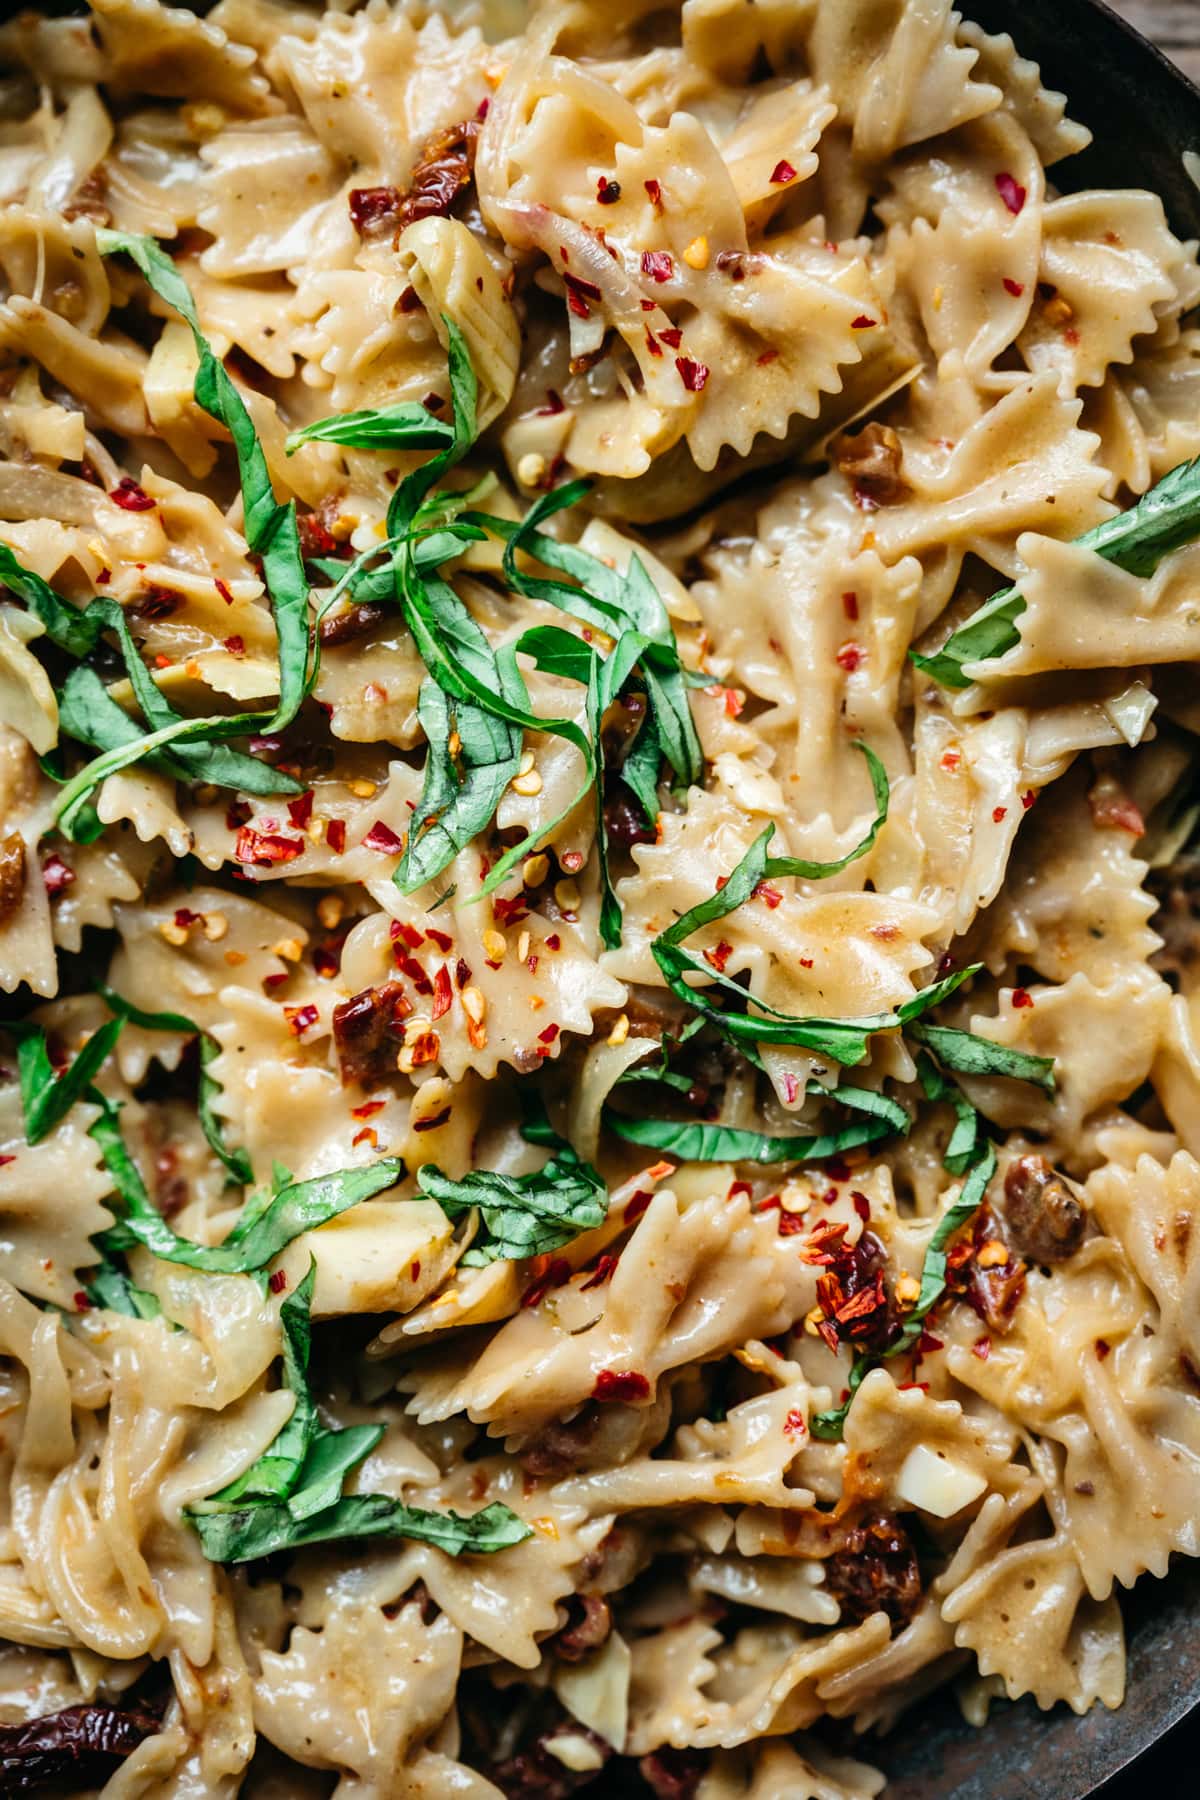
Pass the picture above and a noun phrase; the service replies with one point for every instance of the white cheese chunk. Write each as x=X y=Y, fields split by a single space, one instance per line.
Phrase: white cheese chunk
x=932 y=1483
x=596 y=1691
x=575 y=1752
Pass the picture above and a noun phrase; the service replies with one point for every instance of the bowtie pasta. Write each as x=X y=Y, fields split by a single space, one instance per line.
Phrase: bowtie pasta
x=600 y=1092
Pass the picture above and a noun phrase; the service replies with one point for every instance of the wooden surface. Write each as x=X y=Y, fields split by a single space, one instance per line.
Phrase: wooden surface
x=1174 y=25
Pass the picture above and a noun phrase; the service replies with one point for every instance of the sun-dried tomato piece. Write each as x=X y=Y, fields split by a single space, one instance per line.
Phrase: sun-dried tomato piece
x=560 y=1449
x=316 y=539
x=1044 y=1217
x=875 y=1570
x=589 y=1622
x=444 y=166
x=355 y=622
x=621 y=1385
x=872 y=462
x=12 y=875
x=993 y=1288
x=673 y=1774
x=368 y=1031
x=81 y=1745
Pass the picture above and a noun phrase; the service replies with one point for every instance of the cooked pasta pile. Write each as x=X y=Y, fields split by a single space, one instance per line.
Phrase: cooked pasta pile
x=602 y=1071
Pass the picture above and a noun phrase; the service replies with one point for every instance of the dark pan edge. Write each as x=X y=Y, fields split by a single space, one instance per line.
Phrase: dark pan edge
x=1144 y=113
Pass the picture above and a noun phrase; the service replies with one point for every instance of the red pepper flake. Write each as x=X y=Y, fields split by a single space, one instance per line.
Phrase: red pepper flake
x=1028 y=799
x=782 y=173
x=950 y=760
x=262 y=848
x=862 y=323
x=57 y=875
x=806 y=962
x=999 y=813
x=556 y=1273
x=694 y=375
x=578 y=305
x=1071 y=335
x=400 y=928
x=605 y=1269
x=927 y=1343
x=791 y=1087
x=652 y=344
x=381 y=837
x=908 y=1387
x=796 y=1425
x=767 y=356
x=654 y=190
x=509 y=912
x=104 y=577
x=368 y=1109
x=223 y=589
x=554 y=942
x=368 y=1135
x=718 y=958
x=335 y=835
x=300 y=1018
x=426 y=1049
x=861 y=1205
x=636 y=1205
x=131 y=496
x=850 y=656
x=608 y=192
x=271 y=982
x=162 y=662
x=1021 y=997
x=770 y=896
x=235 y=645
x=554 y=405
x=1103 y=1349
x=441 y=939
x=5 y=1160
x=278 y=1281
x=624 y=1385
x=83 y=1302
x=435 y=1119
x=408 y=965
x=327 y=961
x=443 y=993
x=1015 y=288
x=462 y=973
x=658 y=265
x=982 y=1347
x=672 y=336
x=185 y=917
x=300 y=810
x=850 y=605
x=1011 y=192
x=571 y=861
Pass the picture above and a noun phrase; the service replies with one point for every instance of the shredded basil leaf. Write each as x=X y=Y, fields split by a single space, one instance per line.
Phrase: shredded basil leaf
x=236 y=1162
x=968 y=1054
x=116 y=1291
x=845 y=1041
x=254 y=1531
x=933 y=1285
x=694 y=1141
x=46 y=1098
x=269 y=1221
x=292 y=1495
x=964 y=1146
x=407 y=426
x=1137 y=540
x=522 y=1215
x=271 y=529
